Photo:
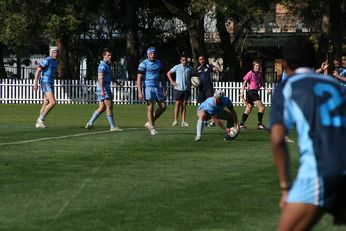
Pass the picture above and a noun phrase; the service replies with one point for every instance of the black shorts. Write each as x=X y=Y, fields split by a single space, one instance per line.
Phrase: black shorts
x=335 y=197
x=252 y=96
x=204 y=94
x=181 y=95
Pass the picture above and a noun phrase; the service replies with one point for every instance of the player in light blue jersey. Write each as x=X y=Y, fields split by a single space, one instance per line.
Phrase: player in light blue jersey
x=213 y=107
x=104 y=93
x=182 y=88
x=148 y=80
x=316 y=106
x=45 y=74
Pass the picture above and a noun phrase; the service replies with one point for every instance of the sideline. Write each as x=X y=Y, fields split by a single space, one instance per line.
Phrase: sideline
x=62 y=137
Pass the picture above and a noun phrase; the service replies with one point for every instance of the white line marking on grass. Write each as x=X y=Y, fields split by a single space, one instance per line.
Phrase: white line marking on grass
x=61 y=137
x=78 y=192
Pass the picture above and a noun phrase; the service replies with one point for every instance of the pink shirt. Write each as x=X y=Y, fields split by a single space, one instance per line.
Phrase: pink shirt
x=254 y=80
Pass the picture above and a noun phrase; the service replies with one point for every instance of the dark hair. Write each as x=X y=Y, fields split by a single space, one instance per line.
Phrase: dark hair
x=105 y=50
x=183 y=56
x=298 y=52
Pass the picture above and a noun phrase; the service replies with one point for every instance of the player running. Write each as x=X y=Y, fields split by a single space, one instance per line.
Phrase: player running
x=213 y=107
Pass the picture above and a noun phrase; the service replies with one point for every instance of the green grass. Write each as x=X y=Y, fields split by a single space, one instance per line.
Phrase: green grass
x=133 y=181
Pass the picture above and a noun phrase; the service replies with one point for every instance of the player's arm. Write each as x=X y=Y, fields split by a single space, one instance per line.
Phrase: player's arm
x=170 y=78
x=219 y=123
x=281 y=159
x=338 y=76
x=243 y=89
x=234 y=116
x=37 y=76
x=139 y=85
x=100 y=79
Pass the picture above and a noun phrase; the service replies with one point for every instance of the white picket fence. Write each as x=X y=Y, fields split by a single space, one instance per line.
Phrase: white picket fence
x=13 y=91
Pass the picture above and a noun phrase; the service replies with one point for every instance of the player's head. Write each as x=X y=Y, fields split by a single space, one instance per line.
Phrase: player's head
x=151 y=53
x=257 y=65
x=183 y=60
x=201 y=59
x=218 y=95
x=53 y=51
x=343 y=59
x=298 y=52
x=106 y=55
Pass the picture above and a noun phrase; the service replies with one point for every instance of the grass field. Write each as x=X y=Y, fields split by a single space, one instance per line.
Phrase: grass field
x=81 y=180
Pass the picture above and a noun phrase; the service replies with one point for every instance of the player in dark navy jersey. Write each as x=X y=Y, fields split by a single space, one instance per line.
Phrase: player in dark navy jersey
x=316 y=106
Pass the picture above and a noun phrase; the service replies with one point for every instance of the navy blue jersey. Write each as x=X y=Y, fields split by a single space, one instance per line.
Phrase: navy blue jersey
x=316 y=105
x=204 y=74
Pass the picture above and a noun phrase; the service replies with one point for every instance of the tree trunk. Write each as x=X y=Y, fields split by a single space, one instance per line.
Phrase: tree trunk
x=68 y=67
x=229 y=55
x=2 y=65
x=336 y=33
x=132 y=40
x=195 y=26
x=323 y=41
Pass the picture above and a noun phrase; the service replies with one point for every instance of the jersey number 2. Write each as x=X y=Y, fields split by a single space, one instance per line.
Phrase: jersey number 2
x=330 y=105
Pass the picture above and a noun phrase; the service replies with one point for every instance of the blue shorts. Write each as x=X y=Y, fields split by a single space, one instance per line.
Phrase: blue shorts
x=325 y=192
x=47 y=87
x=154 y=94
x=108 y=95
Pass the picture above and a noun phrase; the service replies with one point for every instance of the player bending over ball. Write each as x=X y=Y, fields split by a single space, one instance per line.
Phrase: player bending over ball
x=213 y=107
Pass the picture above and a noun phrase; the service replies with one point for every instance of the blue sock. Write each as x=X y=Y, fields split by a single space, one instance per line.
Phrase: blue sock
x=111 y=121
x=94 y=117
x=200 y=126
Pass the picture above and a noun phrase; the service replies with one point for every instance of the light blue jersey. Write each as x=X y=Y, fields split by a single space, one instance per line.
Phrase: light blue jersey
x=183 y=76
x=210 y=106
x=151 y=72
x=48 y=66
x=106 y=70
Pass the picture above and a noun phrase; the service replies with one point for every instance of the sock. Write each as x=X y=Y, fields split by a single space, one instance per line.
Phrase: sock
x=244 y=118
x=200 y=126
x=260 y=117
x=230 y=124
x=111 y=121
x=41 y=117
x=94 y=117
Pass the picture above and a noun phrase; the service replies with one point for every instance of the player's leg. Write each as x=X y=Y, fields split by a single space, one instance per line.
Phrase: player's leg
x=200 y=124
x=183 y=113
x=101 y=108
x=109 y=111
x=162 y=107
x=176 y=112
x=48 y=104
x=299 y=216
x=260 y=114
x=150 y=113
x=245 y=115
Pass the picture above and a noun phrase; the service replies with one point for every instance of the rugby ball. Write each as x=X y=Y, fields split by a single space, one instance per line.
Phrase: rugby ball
x=195 y=81
x=233 y=132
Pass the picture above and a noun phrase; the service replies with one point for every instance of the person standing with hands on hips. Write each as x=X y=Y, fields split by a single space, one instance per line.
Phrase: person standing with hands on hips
x=182 y=88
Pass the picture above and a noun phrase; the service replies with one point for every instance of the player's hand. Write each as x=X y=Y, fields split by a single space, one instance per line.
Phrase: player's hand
x=228 y=130
x=140 y=96
x=283 y=199
x=103 y=93
x=165 y=92
x=35 y=87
